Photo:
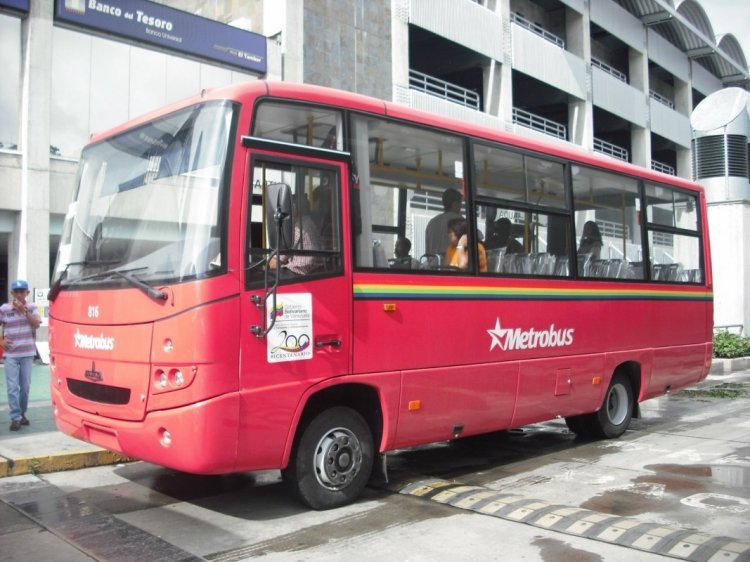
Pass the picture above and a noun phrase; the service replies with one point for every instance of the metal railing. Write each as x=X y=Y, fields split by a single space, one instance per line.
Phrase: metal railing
x=537 y=123
x=609 y=70
x=662 y=167
x=612 y=229
x=661 y=99
x=610 y=149
x=537 y=29
x=442 y=89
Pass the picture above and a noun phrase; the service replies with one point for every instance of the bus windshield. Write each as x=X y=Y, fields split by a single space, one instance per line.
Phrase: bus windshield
x=148 y=203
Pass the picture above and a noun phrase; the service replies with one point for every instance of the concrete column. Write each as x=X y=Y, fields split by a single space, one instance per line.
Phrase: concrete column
x=581 y=124
x=640 y=146
x=580 y=112
x=400 y=51
x=32 y=223
x=505 y=85
x=638 y=69
x=294 y=42
x=492 y=84
x=640 y=138
x=683 y=97
x=685 y=163
x=577 y=35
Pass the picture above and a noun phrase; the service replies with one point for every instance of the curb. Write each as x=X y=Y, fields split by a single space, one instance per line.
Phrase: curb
x=728 y=366
x=59 y=461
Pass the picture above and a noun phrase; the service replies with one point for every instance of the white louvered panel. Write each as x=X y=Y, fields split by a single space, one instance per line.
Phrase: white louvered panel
x=426 y=102
x=463 y=22
x=619 y=98
x=669 y=57
x=670 y=124
x=548 y=63
x=619 y=22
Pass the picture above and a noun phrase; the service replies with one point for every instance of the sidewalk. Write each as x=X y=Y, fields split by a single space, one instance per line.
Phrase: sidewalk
x=40 y=447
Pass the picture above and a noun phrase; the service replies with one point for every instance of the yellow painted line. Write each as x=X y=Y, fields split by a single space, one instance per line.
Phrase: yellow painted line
x=59 y=462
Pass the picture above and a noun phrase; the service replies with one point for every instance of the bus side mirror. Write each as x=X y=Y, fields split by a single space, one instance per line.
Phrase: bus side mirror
x=279 y=216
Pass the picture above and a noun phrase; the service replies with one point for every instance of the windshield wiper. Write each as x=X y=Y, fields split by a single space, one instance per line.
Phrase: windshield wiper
x=57 y=285
x=126 y=274
x=155 y=294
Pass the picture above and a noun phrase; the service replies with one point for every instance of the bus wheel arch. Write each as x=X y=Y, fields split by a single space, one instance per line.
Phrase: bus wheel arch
x=334 y=447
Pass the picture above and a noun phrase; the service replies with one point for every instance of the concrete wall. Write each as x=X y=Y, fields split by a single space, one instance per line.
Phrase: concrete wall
x=348 y=48
x=729 y=227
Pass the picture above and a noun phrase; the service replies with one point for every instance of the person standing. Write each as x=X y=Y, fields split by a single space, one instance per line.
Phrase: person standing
x=436 y=233
x=19 y=321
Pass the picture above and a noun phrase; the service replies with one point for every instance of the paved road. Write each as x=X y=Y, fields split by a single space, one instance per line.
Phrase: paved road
x=676 y=485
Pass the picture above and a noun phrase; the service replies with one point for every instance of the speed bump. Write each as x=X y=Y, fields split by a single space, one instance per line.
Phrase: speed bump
x=623 y=531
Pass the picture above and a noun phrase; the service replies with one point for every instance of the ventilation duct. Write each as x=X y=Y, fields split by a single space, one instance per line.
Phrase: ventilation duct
x=721 y=154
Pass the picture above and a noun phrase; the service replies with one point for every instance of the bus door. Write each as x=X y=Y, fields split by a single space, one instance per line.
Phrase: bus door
x=297 y=297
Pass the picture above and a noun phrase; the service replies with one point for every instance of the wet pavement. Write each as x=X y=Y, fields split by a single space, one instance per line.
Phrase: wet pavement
x=676 y=485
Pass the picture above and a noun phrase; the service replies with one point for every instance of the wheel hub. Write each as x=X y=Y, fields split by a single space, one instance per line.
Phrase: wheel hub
x=617 y=405
x=338 y=458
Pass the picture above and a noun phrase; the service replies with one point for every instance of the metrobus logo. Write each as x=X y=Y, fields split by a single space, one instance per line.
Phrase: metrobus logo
x=100 y=342
x=508 y=339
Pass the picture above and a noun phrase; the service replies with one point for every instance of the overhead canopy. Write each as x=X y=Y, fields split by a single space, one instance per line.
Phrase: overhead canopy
x=685 y=24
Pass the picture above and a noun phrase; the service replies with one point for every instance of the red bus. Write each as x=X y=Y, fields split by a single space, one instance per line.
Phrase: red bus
x=229 y=297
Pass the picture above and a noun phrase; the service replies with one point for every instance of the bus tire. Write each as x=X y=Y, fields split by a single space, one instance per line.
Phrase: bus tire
x=613 y=418
x=579 y=425
x=332 y=461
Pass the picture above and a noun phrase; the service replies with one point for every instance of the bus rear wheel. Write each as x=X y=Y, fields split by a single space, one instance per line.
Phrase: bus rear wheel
x=332 y=461
x=613 y=418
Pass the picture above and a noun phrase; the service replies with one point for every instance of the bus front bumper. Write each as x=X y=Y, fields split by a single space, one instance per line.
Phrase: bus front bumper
x=199 y=438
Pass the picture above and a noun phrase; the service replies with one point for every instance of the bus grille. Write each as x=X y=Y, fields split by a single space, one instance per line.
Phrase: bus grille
x=99 y=392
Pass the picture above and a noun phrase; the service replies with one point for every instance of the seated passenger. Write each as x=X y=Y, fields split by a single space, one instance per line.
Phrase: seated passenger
x=305 y=237
x=591 y=241
x=402 y=258
x=457 y=252
x=501 y=238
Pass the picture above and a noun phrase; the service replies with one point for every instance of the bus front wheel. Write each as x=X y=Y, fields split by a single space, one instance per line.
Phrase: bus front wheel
x=332 y=461
x=613 y=418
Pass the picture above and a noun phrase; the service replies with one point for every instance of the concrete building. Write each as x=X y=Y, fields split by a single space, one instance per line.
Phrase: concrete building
x=617 y=77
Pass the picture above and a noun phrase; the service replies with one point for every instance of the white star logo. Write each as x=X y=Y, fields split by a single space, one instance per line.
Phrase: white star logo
x=498 y=336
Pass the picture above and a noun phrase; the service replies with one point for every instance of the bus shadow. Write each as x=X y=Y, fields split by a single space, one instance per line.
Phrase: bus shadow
x=247 y=495
x=503 y=452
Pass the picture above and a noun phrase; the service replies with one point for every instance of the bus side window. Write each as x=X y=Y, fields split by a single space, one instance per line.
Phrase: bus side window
x=310 y=242
x=525 y=243
x=402 y=172
x=607 y=225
